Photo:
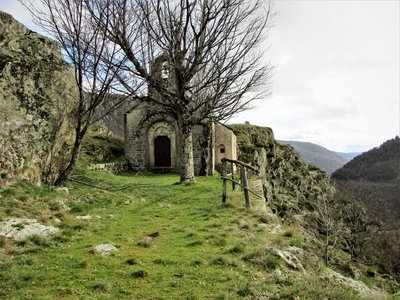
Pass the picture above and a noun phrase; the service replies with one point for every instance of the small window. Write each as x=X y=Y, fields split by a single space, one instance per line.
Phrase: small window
x=165 y=70
x=222 y=149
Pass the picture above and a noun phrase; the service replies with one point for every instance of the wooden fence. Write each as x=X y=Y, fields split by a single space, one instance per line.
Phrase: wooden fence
x=244 y=181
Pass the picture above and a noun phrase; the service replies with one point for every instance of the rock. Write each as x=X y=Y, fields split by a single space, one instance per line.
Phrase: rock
x=278 y=272
x=105 y=249
x=87 y=217
x=63 y=205
x=37 y=98
x=271 y=228
x=165 y=205
x=355 y=272
x=268 y=217
x=362 y=289
x=289 y=258
x=19 y=229
x=63 y=190
x=275 y=229
x=262 y=226
x=287 y=181
x=295 y=250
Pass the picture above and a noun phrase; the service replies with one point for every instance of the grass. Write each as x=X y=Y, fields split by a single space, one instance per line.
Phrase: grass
x=174 y=242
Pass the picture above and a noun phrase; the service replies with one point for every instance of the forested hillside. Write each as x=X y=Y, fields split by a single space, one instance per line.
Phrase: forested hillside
x=378 y=164
x=372 y=179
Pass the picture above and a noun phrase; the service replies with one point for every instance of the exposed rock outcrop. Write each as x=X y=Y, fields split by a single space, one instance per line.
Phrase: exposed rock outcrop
x=37 y=99
x=289 y=183
x=362 y=289
x=21 y=229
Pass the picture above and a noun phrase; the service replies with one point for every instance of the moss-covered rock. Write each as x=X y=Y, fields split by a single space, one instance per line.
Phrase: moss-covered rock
x=38 y=96
x=290 y=184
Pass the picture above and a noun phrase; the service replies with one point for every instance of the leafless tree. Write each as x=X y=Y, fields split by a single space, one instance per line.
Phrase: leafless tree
x=95 y=60
x=329 y=224
x=358 y=229
x=210 y=51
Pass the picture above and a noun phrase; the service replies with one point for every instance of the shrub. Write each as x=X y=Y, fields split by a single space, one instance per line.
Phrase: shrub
x=139 y=274
x=143 y=244
x=237 y=249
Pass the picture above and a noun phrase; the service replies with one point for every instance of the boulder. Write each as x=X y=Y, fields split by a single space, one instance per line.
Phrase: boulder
x=37 y=101
x=105 y=249
x=289 y=258
x=20 y=229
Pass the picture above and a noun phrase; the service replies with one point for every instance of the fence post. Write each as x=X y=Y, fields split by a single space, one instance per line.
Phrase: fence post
x=233 y=177
x=246 y=187
x=224 y=167
x=241 y=177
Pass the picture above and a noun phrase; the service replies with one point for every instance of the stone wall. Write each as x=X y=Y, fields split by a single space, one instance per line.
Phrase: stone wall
x=134 y=138
x=225 y=143
x=142 y=126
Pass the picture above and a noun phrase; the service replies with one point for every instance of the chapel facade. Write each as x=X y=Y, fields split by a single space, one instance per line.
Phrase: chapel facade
x=152 y=138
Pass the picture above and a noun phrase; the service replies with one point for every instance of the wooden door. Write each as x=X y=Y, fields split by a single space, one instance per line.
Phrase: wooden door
x=162 y=151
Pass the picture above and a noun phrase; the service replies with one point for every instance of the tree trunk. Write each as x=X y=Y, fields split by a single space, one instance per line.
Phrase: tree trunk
x=74 y=157
x=205 y=150
x=186 y=153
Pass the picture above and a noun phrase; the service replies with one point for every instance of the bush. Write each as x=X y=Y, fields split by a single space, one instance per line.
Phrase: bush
x=2 y=241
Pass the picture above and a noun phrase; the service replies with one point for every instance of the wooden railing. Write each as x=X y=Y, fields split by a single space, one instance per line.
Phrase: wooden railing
x=244 y=182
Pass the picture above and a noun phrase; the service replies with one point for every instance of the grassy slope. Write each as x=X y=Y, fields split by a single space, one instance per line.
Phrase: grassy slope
x=175 y=242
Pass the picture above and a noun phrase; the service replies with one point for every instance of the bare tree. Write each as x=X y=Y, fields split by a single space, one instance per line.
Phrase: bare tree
x=210 y=53
x=96 y=61
x=359 y=230
x=329 y=224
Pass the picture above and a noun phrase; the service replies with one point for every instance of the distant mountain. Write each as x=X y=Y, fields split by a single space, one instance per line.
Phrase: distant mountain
x=347 y=155
x=378 y=164
x=318 y=156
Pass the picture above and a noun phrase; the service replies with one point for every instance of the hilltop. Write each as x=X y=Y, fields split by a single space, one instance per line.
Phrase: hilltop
x=378 y=164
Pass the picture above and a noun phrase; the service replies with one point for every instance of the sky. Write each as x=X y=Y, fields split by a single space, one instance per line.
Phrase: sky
x=336 y=81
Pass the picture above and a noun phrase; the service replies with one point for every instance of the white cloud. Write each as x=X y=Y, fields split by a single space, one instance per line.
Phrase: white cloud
x=337 y=80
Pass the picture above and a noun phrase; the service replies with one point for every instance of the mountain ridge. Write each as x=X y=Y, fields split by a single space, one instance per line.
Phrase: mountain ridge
x=378 y=164
x=316 y=155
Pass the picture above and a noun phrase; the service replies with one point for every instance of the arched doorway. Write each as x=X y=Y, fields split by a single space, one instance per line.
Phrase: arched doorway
x=162 y=151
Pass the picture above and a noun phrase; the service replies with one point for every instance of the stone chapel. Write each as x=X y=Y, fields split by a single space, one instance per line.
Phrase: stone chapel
x=152 y=141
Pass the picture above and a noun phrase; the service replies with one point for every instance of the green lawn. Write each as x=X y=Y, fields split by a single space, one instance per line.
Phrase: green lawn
x=175 y=242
